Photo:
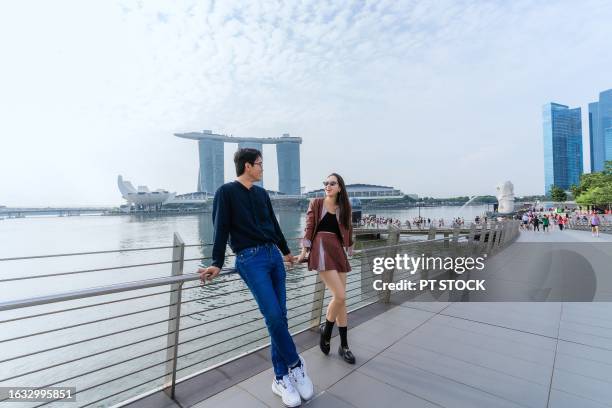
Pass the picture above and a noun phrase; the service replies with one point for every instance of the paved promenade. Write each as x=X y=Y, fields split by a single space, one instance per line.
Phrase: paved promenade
x=562 y=236
x=460 y=355
x=432 y=354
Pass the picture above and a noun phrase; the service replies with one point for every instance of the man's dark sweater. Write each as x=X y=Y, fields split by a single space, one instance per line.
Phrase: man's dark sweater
x=246 y=217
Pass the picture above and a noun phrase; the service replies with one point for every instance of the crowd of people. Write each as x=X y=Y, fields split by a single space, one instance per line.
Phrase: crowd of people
x=538 y=219
x=532 y=221
x=547 y=219
x=372 y=221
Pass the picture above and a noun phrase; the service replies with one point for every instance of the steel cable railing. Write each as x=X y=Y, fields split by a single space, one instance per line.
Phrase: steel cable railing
x=111 y=268
x=217 y=343
x=107 y=268
x=195 y=351
x=135 y=312
x=480 y=239
x=230 y=350
x=136 y=327
x=144 y=325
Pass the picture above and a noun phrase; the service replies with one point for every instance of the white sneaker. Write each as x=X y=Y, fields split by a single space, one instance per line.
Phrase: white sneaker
x=301 y=381
x=284 y=388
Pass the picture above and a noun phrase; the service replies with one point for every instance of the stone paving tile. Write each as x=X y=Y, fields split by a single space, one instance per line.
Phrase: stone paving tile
x=363 y=391
x=231 y=398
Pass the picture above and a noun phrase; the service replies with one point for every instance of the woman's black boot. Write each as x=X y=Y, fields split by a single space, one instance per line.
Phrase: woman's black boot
x=346 y=354
x=344 y=350
x=324 y=341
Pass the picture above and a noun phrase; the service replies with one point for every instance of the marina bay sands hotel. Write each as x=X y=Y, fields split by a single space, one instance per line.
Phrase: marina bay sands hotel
x=210 y=148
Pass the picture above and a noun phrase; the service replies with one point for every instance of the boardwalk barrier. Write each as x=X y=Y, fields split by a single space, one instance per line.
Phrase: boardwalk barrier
x=604 y=226
x=120 y=342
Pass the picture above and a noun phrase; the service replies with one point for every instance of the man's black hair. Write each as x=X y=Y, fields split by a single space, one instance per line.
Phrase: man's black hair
x=243 y=156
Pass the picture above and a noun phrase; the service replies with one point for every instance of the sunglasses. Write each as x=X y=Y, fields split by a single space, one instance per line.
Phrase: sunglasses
x=330 y=183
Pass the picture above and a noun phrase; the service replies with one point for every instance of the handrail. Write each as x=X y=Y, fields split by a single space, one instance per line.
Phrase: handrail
x=489 y=238
x=110 y=251
x=168 y=280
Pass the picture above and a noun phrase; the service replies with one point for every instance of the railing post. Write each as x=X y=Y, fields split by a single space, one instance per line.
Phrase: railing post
x=472 y=234
x=479 y=243
x=317 y=301
x=174 y=313
x=517 y=228
x=456 y=233
x=471 y=240
x=432 y=233
x=491 y=237
x=500 y=235
x=387 y=276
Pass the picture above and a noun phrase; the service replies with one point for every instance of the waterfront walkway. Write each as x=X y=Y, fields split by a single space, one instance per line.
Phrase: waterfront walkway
x=434 y=354
x=567 y=235
x=460 y=355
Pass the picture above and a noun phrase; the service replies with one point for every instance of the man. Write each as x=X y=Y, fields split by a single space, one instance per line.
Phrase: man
x=536 y=223
x=243 y=213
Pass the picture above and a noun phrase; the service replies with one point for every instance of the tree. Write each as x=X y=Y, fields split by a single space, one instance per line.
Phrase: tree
x=575 y=190
x=595 y=188
x=597 y=196
x=558 y=194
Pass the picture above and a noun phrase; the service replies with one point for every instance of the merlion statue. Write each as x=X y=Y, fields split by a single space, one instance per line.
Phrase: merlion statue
x=505 y=197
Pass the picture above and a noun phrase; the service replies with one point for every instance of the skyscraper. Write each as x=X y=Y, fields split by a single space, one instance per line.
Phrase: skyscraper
x=211 y=148
x=600 y=130
x=288 y=159
x=562 y=146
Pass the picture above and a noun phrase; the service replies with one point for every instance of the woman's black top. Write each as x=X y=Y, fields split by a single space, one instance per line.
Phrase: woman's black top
x=329 y=223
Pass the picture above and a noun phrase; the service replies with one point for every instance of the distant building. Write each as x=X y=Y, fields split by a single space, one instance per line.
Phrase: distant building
x=363 y=192
x=600 y=130
x=142 y=198
x=191 y=198
x=562 y=128
x=211 y=147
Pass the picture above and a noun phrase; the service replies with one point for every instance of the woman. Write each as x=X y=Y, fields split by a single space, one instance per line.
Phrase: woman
x=595 y=224
x=328 y=238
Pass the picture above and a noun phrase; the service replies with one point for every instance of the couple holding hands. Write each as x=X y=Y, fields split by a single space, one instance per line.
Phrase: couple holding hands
x=243 y=214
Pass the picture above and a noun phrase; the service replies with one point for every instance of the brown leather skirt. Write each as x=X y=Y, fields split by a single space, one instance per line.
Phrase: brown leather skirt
x=326 y=254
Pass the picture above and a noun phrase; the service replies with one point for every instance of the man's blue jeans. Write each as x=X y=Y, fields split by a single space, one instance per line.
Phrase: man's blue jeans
x=263 y=271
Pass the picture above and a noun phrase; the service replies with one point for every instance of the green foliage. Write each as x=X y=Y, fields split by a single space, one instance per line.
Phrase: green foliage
x=558 y=194
x=595 y=188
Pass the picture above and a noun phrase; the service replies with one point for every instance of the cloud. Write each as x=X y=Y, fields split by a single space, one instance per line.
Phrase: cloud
x=380 y=89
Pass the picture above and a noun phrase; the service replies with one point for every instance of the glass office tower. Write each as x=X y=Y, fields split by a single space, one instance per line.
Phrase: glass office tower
x=562 y=146
x=600 y=130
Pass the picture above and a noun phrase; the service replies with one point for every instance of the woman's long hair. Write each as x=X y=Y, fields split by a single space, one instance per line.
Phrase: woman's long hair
x=343 y=202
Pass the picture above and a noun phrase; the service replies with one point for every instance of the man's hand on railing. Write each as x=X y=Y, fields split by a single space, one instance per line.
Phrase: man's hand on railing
x=207 y=274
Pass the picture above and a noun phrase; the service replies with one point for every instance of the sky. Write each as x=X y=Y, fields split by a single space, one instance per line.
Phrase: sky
x=436 y=98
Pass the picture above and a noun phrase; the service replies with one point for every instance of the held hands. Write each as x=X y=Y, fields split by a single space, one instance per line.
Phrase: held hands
x=301 y=257
x=207 y=274
x=289 y=259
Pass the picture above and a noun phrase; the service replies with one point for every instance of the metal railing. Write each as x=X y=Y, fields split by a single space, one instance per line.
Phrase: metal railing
x=605 y=226
x=118 y=349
